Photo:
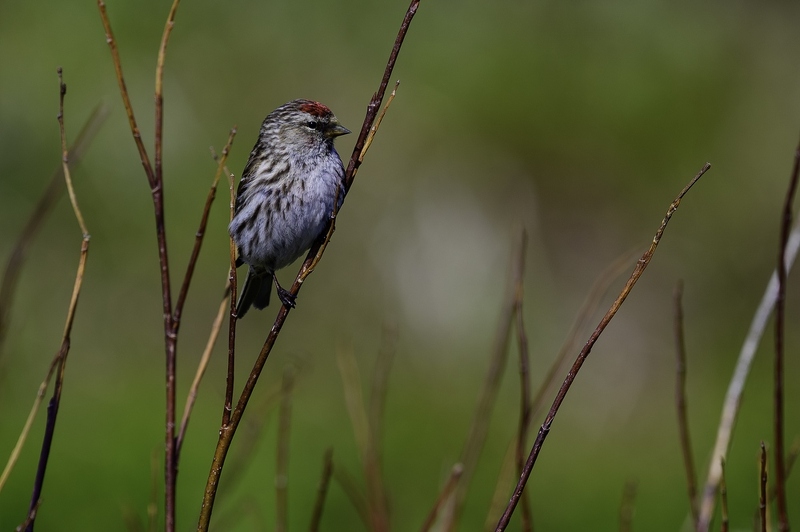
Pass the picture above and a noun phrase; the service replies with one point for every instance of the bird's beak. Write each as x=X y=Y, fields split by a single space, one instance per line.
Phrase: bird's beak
x=336 y=130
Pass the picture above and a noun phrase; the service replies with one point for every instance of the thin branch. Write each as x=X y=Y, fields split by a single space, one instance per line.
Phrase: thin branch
x=524 y=376
x=680 y=402
x=762 y=499
x=322 y=490
x=446 y=493
x=586 y=310
x=201 y=232
x=374 y=129
x=282 y=459
x=228 y=430
x=627 y=506
x=780 y=320
x=723 y=495
x=40 y=212
x=733 y=397
x=61 y=357
x=641 y=265
x=201 y=368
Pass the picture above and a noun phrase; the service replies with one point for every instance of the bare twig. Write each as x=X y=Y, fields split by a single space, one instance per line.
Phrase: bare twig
x=641 y=265
x=322 y=490
x=627 y=506
x=374 y=129
x=723 y=495
x=170 y=326
x=780 y=319
x=40 y=212
x=444 y=495
x=587 y=309
x=156 y=182
x=61 y=358
x=282 y=458
x=228 y=430
x=762 y=499
x=680 y=402
x=733 y=397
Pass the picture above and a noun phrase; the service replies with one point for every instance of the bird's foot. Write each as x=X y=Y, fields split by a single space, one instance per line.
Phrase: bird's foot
x=286 y=297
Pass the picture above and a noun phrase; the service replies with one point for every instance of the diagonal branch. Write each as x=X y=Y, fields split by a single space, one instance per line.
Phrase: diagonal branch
x=544 y=430
x=60 y=359
x=228 y=430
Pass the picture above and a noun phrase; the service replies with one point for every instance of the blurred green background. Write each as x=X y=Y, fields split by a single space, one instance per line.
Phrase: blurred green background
x=578 y=120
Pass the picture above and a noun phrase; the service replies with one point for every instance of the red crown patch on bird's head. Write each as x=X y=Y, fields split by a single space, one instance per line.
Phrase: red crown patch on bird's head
x=315 y=109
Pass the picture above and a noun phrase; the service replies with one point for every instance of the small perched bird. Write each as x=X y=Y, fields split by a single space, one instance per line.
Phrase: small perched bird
x=286 y=195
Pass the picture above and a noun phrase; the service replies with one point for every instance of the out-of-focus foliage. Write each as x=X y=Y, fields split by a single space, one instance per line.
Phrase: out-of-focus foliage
x=578 y=120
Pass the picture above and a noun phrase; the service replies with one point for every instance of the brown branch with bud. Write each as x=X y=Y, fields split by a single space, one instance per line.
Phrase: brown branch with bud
x=544 y=430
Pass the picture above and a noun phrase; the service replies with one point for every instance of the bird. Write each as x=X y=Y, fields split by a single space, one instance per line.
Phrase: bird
x=292 y=183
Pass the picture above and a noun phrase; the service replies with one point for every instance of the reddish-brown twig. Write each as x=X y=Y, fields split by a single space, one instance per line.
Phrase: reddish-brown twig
x=544 y=430
x=228 y=430
x=780 y=305
x=680 y=401
x=322 y=490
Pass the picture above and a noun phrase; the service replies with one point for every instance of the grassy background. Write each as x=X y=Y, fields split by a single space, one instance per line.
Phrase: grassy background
x=579 y=121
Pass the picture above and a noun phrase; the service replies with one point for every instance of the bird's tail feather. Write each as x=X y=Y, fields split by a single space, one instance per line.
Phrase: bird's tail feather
x=256 y=292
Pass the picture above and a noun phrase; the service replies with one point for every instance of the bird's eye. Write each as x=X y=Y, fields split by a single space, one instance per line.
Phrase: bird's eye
x=313 y=125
